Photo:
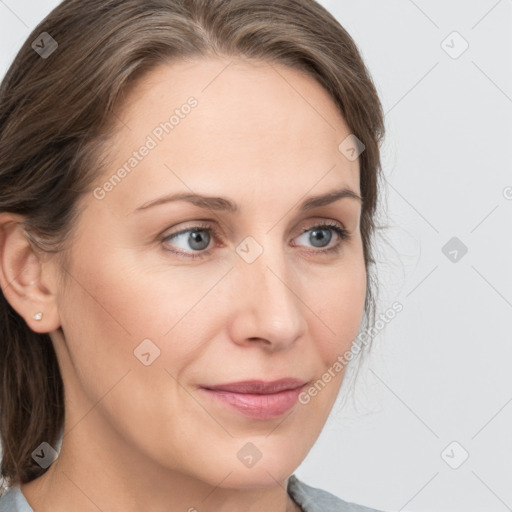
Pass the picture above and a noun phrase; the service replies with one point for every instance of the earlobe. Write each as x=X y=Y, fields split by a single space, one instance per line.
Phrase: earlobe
x=22 y=277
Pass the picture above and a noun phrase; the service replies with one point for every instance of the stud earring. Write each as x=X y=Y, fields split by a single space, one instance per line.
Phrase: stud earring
x=38 y=316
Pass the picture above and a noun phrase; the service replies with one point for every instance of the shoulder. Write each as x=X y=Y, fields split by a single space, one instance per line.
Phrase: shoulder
x=12 y=500
x=312 y=499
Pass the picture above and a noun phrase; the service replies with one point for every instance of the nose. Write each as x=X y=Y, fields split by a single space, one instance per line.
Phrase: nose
x=269 y=309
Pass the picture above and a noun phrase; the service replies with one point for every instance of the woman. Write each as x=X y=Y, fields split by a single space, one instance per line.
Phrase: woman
x=187 y=198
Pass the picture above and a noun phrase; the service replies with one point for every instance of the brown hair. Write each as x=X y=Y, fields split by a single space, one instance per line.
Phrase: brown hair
x=56 y=115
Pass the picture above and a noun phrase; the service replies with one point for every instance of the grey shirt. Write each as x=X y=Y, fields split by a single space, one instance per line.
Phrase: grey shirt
x=310 y=499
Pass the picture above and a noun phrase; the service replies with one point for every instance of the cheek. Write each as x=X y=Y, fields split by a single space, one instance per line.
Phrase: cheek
x=120 y=300
x=109 y=308
x=339 y=305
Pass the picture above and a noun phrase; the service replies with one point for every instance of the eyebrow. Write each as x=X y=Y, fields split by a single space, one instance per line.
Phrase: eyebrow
x=224 y=204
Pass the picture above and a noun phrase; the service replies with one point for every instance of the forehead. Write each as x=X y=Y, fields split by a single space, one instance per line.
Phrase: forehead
x=254 y=126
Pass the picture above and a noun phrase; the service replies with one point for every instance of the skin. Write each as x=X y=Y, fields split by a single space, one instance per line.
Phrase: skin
x=142 y=437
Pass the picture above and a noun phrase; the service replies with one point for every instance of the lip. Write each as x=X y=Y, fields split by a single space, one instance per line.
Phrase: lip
x=258 y=399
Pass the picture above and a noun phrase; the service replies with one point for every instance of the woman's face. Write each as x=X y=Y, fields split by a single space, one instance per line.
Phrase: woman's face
x=251 y=290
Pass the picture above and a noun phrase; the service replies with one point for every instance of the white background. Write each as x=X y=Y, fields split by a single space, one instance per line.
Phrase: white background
x=440 y=371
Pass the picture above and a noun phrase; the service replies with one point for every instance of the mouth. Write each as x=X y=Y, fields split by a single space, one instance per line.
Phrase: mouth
x=258 y=399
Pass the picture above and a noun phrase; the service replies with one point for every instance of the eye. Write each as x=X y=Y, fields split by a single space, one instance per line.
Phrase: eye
x=196 y=239
x=321 y=234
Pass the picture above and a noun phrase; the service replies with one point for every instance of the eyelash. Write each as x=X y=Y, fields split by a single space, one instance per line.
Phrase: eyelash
x=342 y=233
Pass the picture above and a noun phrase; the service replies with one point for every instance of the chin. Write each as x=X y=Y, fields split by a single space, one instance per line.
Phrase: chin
x=258 y=478
x=256 y=468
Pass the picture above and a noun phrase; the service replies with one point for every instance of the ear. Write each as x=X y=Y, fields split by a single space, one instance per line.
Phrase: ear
x=27 y=283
